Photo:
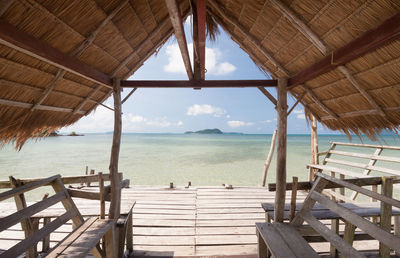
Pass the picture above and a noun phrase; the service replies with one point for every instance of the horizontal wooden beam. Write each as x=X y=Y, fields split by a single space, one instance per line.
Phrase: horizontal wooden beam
x=366 y=112
x=13 y=103
x=385 y=33
x=14 y=38
x=199 y=84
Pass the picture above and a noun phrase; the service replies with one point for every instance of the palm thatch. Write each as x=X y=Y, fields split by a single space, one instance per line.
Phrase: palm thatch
x=117 y=36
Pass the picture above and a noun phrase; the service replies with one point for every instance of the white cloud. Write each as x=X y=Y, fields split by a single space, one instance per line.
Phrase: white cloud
x=266 y=121
x=300 y=114
x=102 y=120
x=213 y=64
x=206 y=109
x=228 y=116
x=236 y=123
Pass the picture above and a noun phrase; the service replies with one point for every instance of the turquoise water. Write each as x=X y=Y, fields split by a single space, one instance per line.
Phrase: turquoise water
x=158 y=159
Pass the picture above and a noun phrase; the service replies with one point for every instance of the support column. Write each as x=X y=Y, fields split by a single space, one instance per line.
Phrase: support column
x=115 y=204
x=314 y=146
x=281 y=151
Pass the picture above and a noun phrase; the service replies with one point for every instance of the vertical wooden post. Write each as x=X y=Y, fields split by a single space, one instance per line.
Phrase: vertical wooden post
x=269 y=158
x=293 y=200
x=314 y=145
x=386 y=214
x=281 y=108
x=115 y=180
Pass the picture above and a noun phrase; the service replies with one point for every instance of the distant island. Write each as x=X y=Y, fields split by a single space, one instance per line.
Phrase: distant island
x=209 y=131
x=56 y=133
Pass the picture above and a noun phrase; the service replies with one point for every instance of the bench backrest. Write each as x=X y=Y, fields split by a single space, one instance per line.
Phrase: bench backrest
x=382 y=233
x=349 y=160
x=24 y=214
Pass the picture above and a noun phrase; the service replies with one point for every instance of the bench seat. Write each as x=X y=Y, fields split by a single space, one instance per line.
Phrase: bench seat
x=368 y=209
x=283 y=240
x=83 y=239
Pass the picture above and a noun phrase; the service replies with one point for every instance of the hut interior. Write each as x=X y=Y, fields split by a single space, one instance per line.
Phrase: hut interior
x=62 y=59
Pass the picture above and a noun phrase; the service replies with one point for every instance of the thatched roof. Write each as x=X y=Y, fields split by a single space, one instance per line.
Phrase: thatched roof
x=115 y=37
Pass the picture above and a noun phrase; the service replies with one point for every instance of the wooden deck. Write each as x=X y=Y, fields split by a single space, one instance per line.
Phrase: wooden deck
x=198 y=221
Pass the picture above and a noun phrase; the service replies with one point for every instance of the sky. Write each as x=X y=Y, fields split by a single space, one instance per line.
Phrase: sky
x=244 y=110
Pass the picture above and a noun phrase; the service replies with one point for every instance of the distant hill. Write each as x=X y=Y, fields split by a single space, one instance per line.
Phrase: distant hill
x=206 y=131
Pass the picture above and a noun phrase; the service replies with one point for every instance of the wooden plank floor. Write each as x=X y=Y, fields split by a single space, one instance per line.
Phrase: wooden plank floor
x=199 y=221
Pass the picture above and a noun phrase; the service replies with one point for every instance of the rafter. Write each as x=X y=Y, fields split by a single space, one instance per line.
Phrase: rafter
x=385 y=33
x=235 y=23
x=297 y=22
x=319 y=103
x=91 y=95
x=142 y=45
x=77 y=52
x=177 y=24
x=361 y=113
x=4 y=4
x=198 y=84
x=27 y=44
x=199 y=37
x=268 y=95
x=41 y=107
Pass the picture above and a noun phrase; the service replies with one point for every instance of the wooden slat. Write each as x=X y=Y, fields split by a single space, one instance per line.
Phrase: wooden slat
x=284 y=240
x=13 y=103
x=64 y=179
x=39 y=235
x=27 y=187
x=198 y=84
x=29 y=211
x=366 y=156
x=365 y=225
x=81 y=241
x=364 y=191
x=27 y=44
x=387 y=147
x=365 y=166
x=329 y=235
x=338 y=170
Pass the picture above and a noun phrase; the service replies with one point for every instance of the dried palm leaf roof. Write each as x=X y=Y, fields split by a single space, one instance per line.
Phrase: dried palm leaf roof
x=116 y=36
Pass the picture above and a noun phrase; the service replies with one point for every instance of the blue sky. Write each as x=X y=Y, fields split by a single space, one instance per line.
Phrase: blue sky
x=179 y=110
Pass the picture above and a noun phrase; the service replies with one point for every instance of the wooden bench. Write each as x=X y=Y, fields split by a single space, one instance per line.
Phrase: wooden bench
x=84 y=238
x=285 y=239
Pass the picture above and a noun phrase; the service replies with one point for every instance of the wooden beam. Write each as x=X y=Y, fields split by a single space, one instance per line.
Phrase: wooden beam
x=115 y=204
x=363 y=92
x=319 y=103
x=195 y=38
x=198 y=84
x=299 y=98
x=129 y=94
x=367 y=112
x=177 y=24
x=268 y=95
x=281 y=151
x=201 y=26
x=385 y=33
x=13 y=103
x=14 y=38
x=297 y=22
x=91 y=95
x=235 y=23
x=60 y=74
x=4 y=4
x=300 y=25
x=141 y=46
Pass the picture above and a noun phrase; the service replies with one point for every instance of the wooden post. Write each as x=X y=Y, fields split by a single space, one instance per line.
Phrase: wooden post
x=102 y=195
x=386 y=214
x=115 y=204
x=293 y=199
x=314 y=145
x=269 y=158
x=281 y=151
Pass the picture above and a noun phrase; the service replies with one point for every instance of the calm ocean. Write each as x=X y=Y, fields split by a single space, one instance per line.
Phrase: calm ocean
x=158 y=159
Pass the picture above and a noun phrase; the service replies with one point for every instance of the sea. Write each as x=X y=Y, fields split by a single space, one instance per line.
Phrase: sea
x=158 y=159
